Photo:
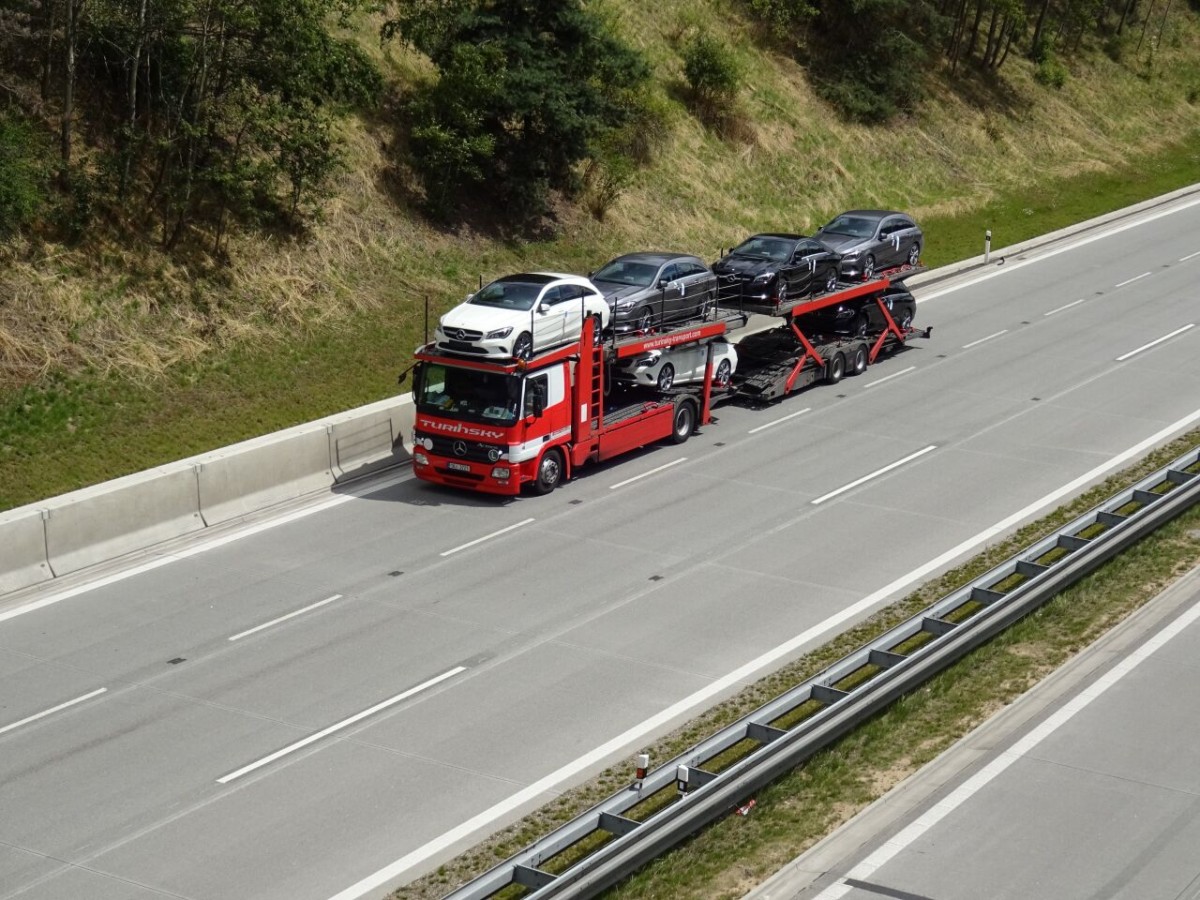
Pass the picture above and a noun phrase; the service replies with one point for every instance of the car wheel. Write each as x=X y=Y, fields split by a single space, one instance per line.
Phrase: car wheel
x=859 y=328
x=906 y=319
x=597 y=328
x=914 y=254
x=724 y=370
x=666 y=377
x=706 y=306
x=685 y=421
x=523 y=346
x=868 y=267
x=782 y=293
x=858 y=362
x=835 y=368
x=550 y=471
x=645 y=320
x=831 y=281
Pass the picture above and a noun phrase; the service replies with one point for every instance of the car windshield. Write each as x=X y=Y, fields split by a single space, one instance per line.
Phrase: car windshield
x=468 y=394
x=508 y=295
x=851 y=226
x=777 y=249
x=634 y=274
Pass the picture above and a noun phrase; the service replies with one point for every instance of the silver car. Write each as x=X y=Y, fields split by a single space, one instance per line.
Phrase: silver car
x=871 y=240
x=646 y=290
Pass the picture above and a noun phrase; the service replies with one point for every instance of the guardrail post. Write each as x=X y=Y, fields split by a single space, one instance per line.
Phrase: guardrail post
x=987 y=246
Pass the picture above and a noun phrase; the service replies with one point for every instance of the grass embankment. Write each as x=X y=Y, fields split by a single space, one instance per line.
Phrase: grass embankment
x=795 y=812
x=115 y=359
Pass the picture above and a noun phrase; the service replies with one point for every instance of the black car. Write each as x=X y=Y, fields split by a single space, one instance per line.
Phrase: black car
x=862 y=315
x=870 y=240
x=648 y=289
x=767 y=270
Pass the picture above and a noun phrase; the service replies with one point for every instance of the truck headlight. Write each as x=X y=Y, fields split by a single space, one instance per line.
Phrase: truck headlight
x=420 y=458
x=499 y=333
x=501 y=472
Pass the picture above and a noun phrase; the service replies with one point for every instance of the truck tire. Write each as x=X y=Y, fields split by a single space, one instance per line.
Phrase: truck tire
x=835 y=368
x=549 y=471
x=684 y=422
x=858 y=360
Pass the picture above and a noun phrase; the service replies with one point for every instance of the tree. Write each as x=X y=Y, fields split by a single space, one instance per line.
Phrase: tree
x=526 y=91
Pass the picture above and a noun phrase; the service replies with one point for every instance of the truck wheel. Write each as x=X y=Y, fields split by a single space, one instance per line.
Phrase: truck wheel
x=685 y=421
x=550 y=471
x=835 y=368
x=858 y=362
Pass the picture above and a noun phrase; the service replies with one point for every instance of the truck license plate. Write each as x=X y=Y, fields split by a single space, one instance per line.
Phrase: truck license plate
x=458 y=467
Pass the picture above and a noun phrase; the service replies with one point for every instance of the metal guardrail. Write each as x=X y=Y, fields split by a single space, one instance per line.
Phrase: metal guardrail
x=630 y=828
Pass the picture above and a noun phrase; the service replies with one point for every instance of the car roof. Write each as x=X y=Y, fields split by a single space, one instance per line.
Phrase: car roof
x=777 y=234
x=655 y=256
x=872 y=213
x=529 y=278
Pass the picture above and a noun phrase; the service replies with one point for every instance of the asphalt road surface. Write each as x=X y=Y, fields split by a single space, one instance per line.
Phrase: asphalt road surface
x=335 y=700
x=1089 y=787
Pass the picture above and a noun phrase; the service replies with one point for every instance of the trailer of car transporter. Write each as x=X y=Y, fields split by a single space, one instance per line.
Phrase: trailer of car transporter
x=797 y=353
x=496 y=425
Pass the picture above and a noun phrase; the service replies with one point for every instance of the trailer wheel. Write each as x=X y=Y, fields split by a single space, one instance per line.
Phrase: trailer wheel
x=858 y=363
x=550 y=471
x=685 y=421
x=666 y=377
x=835 y=368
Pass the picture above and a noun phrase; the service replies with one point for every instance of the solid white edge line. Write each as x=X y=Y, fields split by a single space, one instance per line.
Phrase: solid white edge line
x=777 y=421
x=748 y=670
x=325 y=732
x=291 y=615
x=981 y=340
x=613 y=487
x=1190 y=256
x=889 y=377
x=875 y=474
x=1066 y=247
x=1061 y=308
x=486 y=537
x=203 y=545
x=1019 y=749
x=52 y=710
x=1165 y=337
x=1132 y=280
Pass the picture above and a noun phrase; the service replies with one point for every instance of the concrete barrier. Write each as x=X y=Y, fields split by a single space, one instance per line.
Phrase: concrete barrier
x=22 y=549
x=100 y=523
x=263 y=472
x=370 y=438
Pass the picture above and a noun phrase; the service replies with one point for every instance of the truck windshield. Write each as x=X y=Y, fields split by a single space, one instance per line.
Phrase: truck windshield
x=467 y=394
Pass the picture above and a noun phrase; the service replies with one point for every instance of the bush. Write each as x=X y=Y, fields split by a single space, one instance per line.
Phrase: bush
x=1051 y=72
x=22 y=178
x=711 y=70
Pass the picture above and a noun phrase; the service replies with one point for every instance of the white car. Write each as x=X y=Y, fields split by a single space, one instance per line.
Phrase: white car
x=664 y=369
x=519 y=315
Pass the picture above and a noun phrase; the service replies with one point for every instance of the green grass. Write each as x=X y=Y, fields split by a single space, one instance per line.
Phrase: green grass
x=1128 y=509
x=1006 y=584
x=797 y=714
x=1092 y=531
x=963 y=612
x=911 y=645
x=1051 y=556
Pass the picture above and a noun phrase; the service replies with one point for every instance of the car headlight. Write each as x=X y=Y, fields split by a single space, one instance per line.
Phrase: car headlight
x=853 y=254
x=499 y=333
x=764 y=277
x=627 y=302
x=648 y=360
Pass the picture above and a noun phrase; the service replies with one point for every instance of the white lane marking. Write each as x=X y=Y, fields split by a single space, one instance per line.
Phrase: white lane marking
x=52 y=710
x=981 y=340
x=291 y=615
x=486 y=537
x=205 y=544
x=1165 y=337
x=889 y=377
x=1067 y=246
x=1068 y=306
x=635 y=735
x=780 y=419
x=852 y=485
x=345 y=723
x=1132 y=280
x=613 y=487
x=1190 y=256
x=1019 y=749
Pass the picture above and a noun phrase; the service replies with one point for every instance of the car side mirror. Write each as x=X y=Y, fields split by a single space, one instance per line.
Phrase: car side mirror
x=663 y=282
x=543 y=307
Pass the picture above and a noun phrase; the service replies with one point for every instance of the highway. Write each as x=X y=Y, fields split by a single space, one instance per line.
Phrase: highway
x=1087 y=787
x=334 y=701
